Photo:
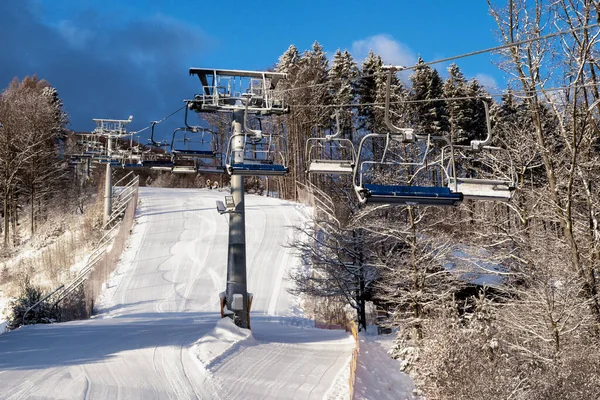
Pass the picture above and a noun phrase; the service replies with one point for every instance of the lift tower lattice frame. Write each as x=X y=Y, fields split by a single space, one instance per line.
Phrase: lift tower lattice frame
x=110 y=129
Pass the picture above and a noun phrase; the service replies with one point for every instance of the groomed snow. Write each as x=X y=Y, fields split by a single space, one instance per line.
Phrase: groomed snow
x=163 y=299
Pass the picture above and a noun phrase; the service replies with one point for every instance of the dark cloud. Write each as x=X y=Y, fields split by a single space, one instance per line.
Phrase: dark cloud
x=102 y=70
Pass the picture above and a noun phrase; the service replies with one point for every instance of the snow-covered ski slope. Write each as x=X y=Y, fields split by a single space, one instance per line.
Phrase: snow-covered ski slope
x=164 y=298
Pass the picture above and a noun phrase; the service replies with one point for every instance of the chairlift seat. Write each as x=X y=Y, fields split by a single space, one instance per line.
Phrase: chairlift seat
x=194 y=153
x=257 y=169
x=482 y=189
x=113 y=163
x=159 y=165
x=211 y=169
x=340 y=167
x=133 y=166
x=184 y=169
x=410 y=195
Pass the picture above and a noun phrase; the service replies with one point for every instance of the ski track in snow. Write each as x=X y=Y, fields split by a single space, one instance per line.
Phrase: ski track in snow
x=162 y=303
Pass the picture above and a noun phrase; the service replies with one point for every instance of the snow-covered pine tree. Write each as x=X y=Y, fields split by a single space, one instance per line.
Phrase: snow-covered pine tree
x=313 y=76
x=367 y=91
x=305 y=91
x=429 y=111
x=288 y=61
x=478 y=94
x=459 y=107
x=342 y=87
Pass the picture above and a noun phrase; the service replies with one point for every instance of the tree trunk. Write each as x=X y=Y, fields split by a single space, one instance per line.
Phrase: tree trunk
x=32 y=202
x=6 y=215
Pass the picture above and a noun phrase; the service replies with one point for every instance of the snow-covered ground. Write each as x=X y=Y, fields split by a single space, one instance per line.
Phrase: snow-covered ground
x=378 y=376
x=157 y=335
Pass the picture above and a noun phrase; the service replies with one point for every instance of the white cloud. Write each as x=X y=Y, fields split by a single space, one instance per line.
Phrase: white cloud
x=73 y=34
x=487 y=81
x=390 y=50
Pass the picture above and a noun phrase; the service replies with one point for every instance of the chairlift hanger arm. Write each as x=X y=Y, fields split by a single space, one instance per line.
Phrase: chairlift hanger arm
x=174 y=134
x=185 y=120
x=407 y=132
x=256 y=134
x=478 y=144
x=152 y=141
x=338 y=130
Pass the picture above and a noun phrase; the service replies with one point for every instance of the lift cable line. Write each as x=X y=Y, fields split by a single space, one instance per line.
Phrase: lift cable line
x=157 y=122
x=452 y=58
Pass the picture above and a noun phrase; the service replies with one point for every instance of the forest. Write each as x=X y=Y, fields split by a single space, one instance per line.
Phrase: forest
x=531 y=329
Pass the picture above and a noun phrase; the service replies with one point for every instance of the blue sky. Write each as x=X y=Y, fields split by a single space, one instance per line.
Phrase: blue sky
x=113 y=58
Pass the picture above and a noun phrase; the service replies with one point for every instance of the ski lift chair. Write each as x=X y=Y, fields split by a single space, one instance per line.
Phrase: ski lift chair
x=342 y=157
x=184 y=167
x=260 y=156
x=195 y=143
x=494 y=180
x=419 y=182
x=259 y=153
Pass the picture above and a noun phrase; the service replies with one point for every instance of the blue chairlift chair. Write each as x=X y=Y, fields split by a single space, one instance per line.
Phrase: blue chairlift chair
x=418 y=181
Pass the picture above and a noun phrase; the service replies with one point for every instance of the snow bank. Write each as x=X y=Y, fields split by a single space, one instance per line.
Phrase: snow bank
x=3 y=312
x=378 y=375
x=340 y=387
x=223 y=340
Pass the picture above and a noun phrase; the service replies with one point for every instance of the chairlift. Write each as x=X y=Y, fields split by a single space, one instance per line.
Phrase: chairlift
x=112 y=161
x=159 y=164
x=210 y=168
x=134 y=165
x=495 y=177
x=330 y=155
x=415 y=180
x=418 y=170
x=197 y=142
x=260 y=154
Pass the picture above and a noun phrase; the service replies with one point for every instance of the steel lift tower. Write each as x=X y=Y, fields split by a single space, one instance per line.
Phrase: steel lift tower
x=240 y=93
x=110 y=129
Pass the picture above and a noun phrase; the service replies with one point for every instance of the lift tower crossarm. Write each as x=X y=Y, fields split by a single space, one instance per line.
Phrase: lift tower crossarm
x=203 y=73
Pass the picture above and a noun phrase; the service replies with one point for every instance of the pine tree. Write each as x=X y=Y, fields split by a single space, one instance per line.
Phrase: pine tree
x=429 y=113
x=342 y=87
x=460 y=111
x=288 y=60
x=367 y=91
x=478 y=126
x=306 y=92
